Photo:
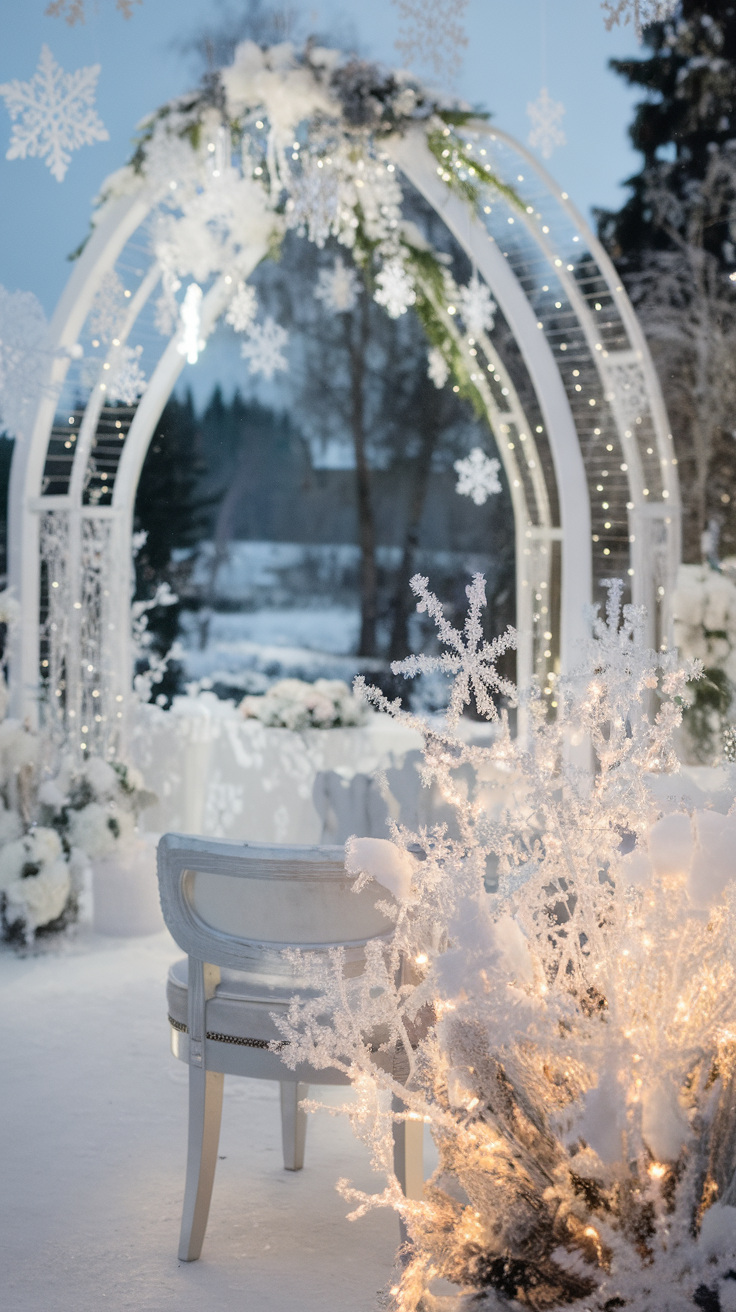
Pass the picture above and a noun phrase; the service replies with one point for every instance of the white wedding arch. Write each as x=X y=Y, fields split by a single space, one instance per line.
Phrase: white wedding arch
x=310 y=142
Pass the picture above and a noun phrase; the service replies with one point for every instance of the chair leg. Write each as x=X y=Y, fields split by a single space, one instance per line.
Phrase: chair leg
x=409 y=1153
x=205 y=1112
x=293 y=1124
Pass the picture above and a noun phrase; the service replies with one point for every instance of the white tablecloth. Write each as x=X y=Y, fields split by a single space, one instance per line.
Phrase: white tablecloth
x=223 y=776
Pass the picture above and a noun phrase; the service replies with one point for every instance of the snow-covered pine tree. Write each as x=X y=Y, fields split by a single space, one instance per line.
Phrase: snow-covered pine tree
x=674 y=244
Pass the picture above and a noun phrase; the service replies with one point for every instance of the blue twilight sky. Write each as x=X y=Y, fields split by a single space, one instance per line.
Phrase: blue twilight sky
x=143 y=63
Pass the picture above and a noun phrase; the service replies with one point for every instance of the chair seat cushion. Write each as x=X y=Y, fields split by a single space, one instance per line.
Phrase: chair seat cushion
x=242 y=1005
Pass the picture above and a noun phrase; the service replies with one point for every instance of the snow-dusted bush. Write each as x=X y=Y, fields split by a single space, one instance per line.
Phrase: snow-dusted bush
x=569 y=1036
x=294 y=704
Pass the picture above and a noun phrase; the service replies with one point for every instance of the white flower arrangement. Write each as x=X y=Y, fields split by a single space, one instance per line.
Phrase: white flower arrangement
x=294 y=704
x=704 y=611
x=85 y=813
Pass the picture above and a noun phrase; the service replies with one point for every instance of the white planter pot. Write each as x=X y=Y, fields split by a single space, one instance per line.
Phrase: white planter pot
x=125 y=900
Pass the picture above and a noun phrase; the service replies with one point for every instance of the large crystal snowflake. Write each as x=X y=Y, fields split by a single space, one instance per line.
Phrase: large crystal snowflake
x=263 y=349
x=431 y=32
x=337 y=288
x=55 y=113
x=395 y=289
x=477 y=476
x=243 y=308
x=24 y=358
x=476 y=307
x=546 y=117
x=642 y=12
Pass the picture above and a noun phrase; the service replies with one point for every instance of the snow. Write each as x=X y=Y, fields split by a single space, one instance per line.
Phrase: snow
x=383 y=861
x=53 y=114
x=92 y=1145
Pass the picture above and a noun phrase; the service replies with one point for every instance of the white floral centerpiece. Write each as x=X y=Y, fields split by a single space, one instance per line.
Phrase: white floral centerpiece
x=704 y=611
x=565 y=1028
x=297 y=705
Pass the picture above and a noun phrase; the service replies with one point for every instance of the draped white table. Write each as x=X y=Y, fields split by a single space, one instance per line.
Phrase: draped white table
x=220 y=775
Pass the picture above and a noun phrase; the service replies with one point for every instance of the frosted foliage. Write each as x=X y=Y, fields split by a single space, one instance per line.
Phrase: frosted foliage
x=477 y=476
x=24 y=359
x=638 y=12
x=53 y=114
x=545 y=115
x=476 y=307
x=395 y=289
x=568 y=1037
x=243 y=308
x=337 y=288
x=264 y=349
x=431 y=32
x=127 y=381
x=438 y=370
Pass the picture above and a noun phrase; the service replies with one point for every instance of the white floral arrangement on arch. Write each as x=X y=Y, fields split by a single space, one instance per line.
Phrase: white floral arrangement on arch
x=285 y=140
x=297 y=705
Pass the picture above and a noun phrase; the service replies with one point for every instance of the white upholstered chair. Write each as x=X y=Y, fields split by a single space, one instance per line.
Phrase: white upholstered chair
x=233 y=907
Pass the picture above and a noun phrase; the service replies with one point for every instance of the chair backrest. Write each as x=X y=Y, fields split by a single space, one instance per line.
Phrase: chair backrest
x=239 y=904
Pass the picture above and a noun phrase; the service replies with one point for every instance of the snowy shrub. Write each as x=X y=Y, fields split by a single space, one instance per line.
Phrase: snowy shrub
x=294 y=704
x=569 y=1037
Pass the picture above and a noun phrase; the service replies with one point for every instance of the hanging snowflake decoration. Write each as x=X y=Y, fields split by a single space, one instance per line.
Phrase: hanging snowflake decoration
x=395 y=288
x=191 y=341
x=75 y=11
x=24 y=359
x=55 y=113
x=313 y=206
x=642 y=12
x=127 y=381
x=477 y=307
x=431 y=32
x=243 y=308
x=546 y=116
x=264 y=348
x=477 y=476
x=338 y=288
x=438 y=369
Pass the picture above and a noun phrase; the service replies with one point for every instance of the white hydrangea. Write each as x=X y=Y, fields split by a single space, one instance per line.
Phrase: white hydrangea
x=97 y=829
x=38 y=899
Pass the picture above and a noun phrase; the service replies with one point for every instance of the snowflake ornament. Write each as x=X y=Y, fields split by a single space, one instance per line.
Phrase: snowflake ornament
x=546 y=116
x=338 y=288
x=432 y=32
x=243 y=308
x=395 y=288
x=127 y=382
x=55 y=113
x=438 y=369
x=264 y=347
x=477 y=476
x=477 y=307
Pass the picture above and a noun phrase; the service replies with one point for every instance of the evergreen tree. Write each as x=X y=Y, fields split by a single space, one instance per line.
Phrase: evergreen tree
x=674 y=245
x=172 y=512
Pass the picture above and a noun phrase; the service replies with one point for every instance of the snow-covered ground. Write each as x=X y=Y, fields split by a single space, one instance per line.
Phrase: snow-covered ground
x=93 y=1118
x=252 y=649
